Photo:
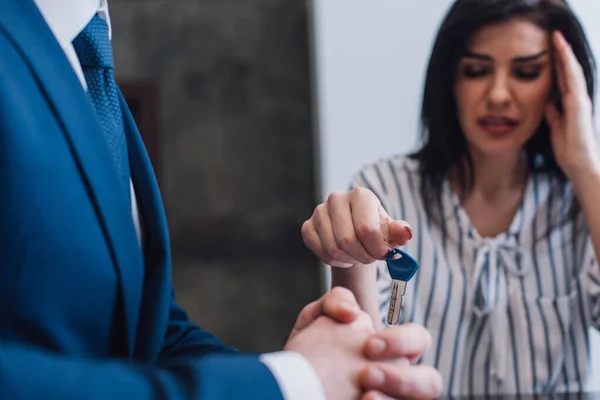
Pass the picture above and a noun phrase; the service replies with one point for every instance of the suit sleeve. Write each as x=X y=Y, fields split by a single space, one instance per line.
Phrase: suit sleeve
x=28 y=373
x=295 y=377
x=194 y=365
x=185 y=339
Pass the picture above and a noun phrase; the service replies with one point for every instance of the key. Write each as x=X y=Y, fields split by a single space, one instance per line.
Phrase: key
x=402 y=267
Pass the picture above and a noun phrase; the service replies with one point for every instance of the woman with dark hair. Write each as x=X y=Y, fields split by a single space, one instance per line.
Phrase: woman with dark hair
x=502 y=197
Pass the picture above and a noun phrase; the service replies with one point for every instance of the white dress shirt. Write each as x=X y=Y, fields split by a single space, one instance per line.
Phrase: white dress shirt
x=67 y=18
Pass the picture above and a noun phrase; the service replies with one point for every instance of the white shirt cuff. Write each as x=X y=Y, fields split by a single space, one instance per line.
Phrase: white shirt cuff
x=295 y=376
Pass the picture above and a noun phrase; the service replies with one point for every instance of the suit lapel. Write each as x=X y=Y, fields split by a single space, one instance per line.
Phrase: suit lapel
x=25 y=25
x=155 y=240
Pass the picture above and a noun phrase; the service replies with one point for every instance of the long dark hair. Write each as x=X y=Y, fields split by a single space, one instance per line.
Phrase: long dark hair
x=444 y=145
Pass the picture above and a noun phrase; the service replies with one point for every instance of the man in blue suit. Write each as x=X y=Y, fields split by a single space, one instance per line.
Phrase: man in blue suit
x=88 y=310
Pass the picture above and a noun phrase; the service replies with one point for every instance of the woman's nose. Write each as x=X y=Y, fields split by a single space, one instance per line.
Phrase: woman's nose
x=499 y=94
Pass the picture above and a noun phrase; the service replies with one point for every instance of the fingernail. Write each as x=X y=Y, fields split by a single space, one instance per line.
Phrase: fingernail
x=376 y=346
x=410 y=232
x=348 y=306
x=375 y=377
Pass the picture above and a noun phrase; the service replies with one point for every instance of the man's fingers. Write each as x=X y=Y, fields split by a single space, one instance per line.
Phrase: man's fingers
x=375 y=395
x=364 y=322
x=414 y=381
x=339 y=304
x=409 y=341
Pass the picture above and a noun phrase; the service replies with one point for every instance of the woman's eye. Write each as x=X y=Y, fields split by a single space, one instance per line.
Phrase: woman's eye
x=475 y=72
x=527 y=75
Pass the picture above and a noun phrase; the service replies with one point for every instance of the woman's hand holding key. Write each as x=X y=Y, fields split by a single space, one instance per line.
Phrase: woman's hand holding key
x=353 y=228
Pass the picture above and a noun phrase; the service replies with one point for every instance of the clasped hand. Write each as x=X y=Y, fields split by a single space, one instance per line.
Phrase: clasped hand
x=353 y=361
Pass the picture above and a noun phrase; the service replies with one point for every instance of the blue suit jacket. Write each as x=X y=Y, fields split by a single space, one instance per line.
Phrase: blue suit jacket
x=85 y=313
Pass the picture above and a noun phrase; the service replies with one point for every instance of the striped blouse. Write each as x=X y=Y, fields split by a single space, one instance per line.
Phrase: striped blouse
x=508 y=314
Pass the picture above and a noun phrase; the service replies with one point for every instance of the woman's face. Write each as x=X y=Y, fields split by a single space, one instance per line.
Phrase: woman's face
x=503 y=85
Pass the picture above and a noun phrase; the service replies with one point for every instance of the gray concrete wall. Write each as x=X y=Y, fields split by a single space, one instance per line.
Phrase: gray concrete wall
x=236 y=154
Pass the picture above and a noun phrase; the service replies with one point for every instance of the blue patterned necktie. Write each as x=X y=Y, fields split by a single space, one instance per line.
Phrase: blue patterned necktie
x=94 y=51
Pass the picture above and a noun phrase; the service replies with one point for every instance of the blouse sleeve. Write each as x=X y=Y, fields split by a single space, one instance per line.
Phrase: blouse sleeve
x=590 y=277
x=589 y=272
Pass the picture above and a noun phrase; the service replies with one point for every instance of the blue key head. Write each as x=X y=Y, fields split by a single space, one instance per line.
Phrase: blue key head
x=401 y=265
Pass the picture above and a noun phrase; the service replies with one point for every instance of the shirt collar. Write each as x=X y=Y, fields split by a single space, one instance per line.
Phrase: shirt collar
x=67 y=18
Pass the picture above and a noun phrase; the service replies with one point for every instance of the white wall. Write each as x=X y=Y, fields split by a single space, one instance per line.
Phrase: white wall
x=370 y=57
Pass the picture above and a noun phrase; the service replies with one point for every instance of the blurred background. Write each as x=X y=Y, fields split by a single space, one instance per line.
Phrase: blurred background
x=253 y=112
x=222 y=92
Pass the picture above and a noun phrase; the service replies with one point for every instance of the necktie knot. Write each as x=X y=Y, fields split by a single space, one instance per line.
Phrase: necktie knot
x=92 y=45
x=94 y=51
